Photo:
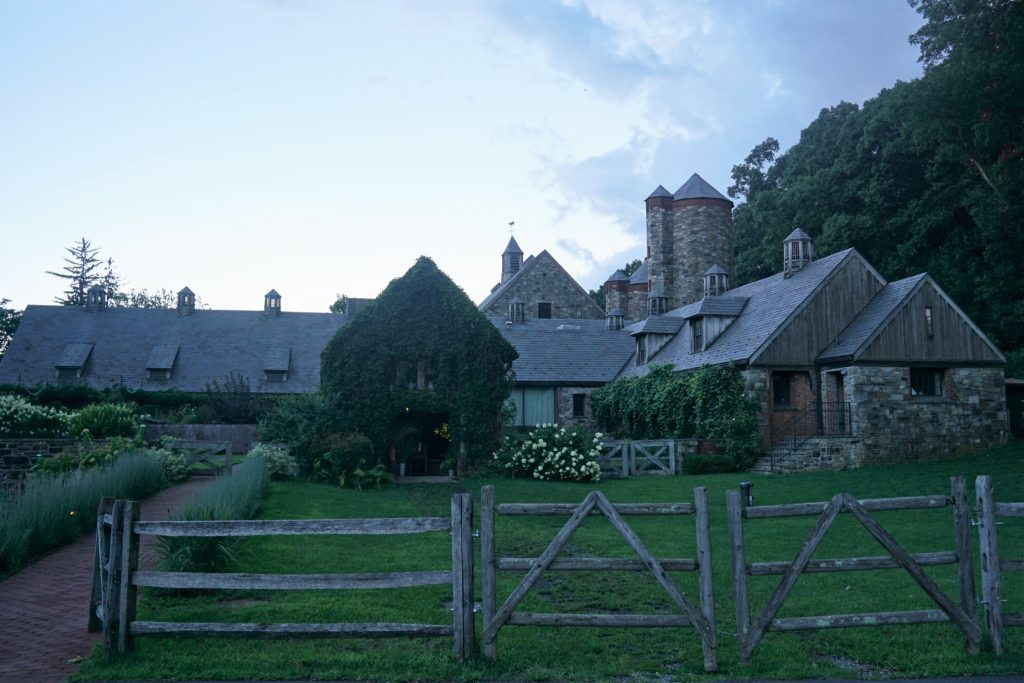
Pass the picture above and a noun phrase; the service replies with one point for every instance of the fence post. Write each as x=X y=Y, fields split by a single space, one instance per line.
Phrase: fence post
x=705 y=578
x=110 y=580
x=127 y=599
x=105 y=507
x=462 y=575
x=489 y=605
x=739 y=566
x=964 y=557
x=990 y=579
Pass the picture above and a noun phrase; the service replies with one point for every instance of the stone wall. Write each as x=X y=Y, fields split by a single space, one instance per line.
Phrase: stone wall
x=545 y=281
x=702 y=237
x=17 y=456
x=756 y=384
x=893 y=426
x=242 y=437
x=563 y=402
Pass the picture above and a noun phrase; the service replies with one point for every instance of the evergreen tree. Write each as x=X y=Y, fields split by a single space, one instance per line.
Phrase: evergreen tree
x=83 y=269
x=9 y=319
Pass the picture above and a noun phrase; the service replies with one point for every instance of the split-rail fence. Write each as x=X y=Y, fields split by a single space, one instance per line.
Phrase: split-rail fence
x=495 y=618
x=992 y=563
x=117 y=576
x=962 y=614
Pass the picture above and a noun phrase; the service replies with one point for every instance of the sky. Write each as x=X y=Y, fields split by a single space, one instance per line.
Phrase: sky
x=318 y=148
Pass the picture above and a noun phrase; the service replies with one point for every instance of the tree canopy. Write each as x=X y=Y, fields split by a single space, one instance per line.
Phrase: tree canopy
x=422 y=346
x=9 y=319
x=927 y=176
x=83 y=269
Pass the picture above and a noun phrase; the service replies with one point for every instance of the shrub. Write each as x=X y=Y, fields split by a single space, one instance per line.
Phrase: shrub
x=708 y=464
x=376 y=477
x=20 y=418
x=238 y=496
x=552 y=453
x=55 y=509
x=175 y=465
x=106 y=420
x=280 y=464
x=233 y=402
x=344 y=453
x=307 y=424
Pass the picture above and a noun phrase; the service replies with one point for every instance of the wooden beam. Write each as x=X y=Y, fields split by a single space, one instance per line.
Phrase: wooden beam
x=988 y=542
x=304 y=527
x=621 y=508
x=489 y=602
x=290 y=581
x=965 y=558
x=596 y=564
x=601 y=620
x=851 y=564
x=705 y=580
x=932 y=616
x=203 y=630
x=872 y=504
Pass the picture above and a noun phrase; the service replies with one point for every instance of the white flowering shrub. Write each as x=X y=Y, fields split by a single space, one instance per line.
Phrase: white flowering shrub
x=19 y=418
x=551 y=453
x=280 y=464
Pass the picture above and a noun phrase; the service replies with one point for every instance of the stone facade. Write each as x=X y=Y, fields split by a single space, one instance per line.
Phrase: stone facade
x=893 y=426
x=565 y=409
x=544 y=281
x=702 y=237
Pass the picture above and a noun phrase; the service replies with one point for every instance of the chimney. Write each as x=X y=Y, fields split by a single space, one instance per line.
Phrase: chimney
x=95 y=299
x=186 y=302
x=797 y=252
x=272 y=303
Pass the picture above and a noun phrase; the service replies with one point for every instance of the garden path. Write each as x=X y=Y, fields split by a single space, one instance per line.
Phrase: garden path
x=45 y=606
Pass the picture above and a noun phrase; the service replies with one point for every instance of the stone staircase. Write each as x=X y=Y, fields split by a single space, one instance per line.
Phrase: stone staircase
x=817 y=453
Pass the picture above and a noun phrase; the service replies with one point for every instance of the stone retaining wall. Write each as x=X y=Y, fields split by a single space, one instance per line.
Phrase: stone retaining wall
x=242 y=437
x=17 y=456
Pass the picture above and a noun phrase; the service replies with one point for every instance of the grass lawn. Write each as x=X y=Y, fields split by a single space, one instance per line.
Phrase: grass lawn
x=544 y=653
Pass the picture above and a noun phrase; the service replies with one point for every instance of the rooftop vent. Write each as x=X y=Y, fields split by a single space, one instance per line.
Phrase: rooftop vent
x=272 y=303
x=797 y=252
x=95 y=299
x=186 y=302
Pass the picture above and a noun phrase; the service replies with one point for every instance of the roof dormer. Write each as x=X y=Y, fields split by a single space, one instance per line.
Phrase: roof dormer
x=797 y=252
x=716 y=281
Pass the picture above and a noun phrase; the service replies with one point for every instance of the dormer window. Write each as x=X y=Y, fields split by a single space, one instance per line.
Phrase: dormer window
x=276 y=362
x=641 y=350
x=716 y=281
x=929 y=325
x=797 y=252
x=161 y=360
x=71 y=363
x=516 y=312
x=697 y=334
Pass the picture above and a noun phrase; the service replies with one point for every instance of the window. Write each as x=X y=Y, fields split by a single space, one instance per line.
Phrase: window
x=641 y=350
x=929 y=326
x=513 y=262
x=532 y=406
x=158 y=374
x=697 y=332
x=69 y=373
x=926 y=381
x=276 y=375
x=544 y=310
x=579 y=405
x=780 y=390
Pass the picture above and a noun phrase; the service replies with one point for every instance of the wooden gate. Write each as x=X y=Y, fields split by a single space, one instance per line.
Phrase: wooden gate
x=614 y=459
x=495 y=618
x=992 y=564
x=750 y=632
x=654 y=457
x=204 y=453
x=117 y=576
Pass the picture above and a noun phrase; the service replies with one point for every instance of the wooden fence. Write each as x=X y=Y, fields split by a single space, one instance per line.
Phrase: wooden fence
x=117 y=576
x=205 y=453
x=631 y=458
x=495 y=618
x=992 y=563
x=962 y=615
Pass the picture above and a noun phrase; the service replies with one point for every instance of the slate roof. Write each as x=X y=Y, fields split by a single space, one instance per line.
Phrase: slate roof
x=74 y=355
x=276 y=359
x=512 y=247
x=617 y=276
x=659 y=191
x=162 y=357
x=582 y=352
x=500 y=288
x=640 y=276
x=724 y=305
x=770 y=303
x=878 y=310
x=698 y=188
x=657 y=324
x=210 y=345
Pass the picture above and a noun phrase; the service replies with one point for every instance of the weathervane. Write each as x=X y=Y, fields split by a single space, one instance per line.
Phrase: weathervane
x=511 y=227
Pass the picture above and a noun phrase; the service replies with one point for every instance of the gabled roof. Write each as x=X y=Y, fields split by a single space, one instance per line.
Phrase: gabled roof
x=528 y=265
x=210 y=345
x=867 y=323
x=770 y=303
x=276 y=359
x=567 y=352
x=698 y=188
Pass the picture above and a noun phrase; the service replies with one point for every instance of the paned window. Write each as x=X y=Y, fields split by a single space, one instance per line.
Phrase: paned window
x=697 y=330
x=926 y=381
x=579 y=405
x=641 y=350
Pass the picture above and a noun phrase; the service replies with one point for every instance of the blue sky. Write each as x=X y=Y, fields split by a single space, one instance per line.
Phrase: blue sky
x=319 y=147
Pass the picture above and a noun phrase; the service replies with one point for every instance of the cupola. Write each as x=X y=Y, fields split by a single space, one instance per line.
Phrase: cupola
x=657 y=302
x=716 y=281
x=516 y=310
x=511 y=259
x=797 y=252
x=95 y=299
x=272 y=303
x=614 y=318
x=186 y=302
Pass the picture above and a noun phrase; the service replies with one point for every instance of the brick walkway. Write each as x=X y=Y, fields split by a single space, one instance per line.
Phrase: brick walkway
x=45 y=606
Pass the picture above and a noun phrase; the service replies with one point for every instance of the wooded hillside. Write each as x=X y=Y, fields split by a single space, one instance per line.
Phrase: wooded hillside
x=927 y=176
